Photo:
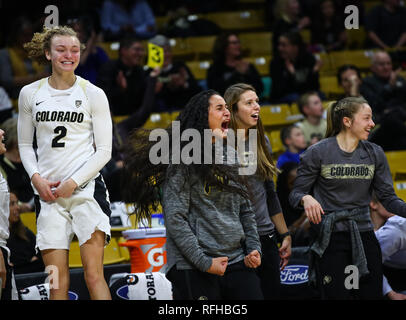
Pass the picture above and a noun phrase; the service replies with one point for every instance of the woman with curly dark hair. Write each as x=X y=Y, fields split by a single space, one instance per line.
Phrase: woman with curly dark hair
x=212 y=240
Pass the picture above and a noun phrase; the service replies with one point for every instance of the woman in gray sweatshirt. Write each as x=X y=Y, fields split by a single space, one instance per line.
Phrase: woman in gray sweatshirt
x=243 y=103
x=334 y=185
x=212 y=243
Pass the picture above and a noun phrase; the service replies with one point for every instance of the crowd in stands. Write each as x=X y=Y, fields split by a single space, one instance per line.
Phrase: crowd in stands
x=135 y=91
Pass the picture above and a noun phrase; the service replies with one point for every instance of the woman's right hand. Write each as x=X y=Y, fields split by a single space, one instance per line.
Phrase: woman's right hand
x=312 y=209
x=44 y=186
x=218 y=266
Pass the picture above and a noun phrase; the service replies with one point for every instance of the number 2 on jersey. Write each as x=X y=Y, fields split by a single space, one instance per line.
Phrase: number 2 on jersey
x=61 y=133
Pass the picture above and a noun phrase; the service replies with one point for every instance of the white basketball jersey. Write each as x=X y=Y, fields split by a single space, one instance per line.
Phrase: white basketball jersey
x=63 y=123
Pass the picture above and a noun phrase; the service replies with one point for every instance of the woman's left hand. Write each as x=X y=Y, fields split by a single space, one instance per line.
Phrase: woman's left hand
x=65 y=189
x=285 y=251
x=253 y=259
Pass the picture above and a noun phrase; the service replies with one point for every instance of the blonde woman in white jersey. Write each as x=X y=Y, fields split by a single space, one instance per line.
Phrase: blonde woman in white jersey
x=72 y=121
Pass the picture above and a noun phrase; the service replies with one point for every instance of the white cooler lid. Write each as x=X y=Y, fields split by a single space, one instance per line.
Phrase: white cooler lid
x=143 y=233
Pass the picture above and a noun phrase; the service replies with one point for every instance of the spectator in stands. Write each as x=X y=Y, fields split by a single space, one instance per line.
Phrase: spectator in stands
x=131 y=92
x=295 y=219
x=327 y=29
x=385 y=91
x=294 y=71
x=93 y=57
x=21 y=242
x=390 y=230
x=122 y=18
x=13 y=170
x=6 y=271
x=6 y=107
x=313 y=125
x=386 y=25
x=288 y=18
x=293 y=139
x=229 y=67
x=176 y=83
x=17 y=69
x=349 y=78
x=124 y=79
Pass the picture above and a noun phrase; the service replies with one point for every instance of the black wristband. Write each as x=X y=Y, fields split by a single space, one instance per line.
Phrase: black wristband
x=284 y=235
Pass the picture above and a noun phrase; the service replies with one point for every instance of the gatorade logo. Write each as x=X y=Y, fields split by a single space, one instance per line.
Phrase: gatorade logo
x=156 y=261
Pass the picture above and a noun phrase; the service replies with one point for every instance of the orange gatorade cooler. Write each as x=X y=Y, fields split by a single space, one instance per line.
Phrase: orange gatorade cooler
x=147 y=248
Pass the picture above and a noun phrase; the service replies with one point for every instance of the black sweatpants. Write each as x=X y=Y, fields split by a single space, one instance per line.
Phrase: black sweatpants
x=238 y=283
x=269 y=270
x=331 y=266
x=6 y=292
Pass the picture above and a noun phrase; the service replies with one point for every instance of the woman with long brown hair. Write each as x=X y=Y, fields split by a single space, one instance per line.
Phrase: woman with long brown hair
x=334 y=185
x=242 y=101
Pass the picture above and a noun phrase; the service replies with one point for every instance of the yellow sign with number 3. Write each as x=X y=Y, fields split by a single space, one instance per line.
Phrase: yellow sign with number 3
x=155 y=56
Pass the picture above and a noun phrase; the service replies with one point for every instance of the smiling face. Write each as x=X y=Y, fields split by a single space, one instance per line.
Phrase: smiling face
x=314 y=106
x=2 y=145
x=382 y=65
x=14 y=209
x=64 y=54
x=133 y=55
x=286 y=49
x=296 y=141
x=347 y=77
x=234 y=47
x=361 y=124
x=219 y=116
x=247 y=114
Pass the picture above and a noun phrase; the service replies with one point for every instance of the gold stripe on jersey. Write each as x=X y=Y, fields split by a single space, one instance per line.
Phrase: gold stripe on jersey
x=348 y=171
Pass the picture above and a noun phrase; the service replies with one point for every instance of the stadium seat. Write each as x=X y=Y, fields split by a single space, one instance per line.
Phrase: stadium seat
x=238 y=20
x=356 y=38
x=158 y=120
x=294 y=109
x=400 y=189
x=181 y=49
x=274 y=137
x=118 y=119
x=397 y=162
x=329 y=85
x=361 y=58
x=75 y=261
x=30 y=221
x=306 y=35
x=276 y=115
x=111 y=48
x=326 y=67
x=256 y=43
x=201 y=47
x=112 y=254
x=261 y=64
x=124 y=252
x=198 y=68
x=368 y=5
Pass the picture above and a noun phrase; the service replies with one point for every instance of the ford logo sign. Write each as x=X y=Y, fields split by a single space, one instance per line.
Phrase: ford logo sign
x=295 y=274
x=73 y=296
x=122 y=292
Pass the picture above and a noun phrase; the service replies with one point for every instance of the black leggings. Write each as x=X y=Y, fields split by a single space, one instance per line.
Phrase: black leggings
x=330 y=268
x=6 y=292
x=238 y=283
x=269 y=270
